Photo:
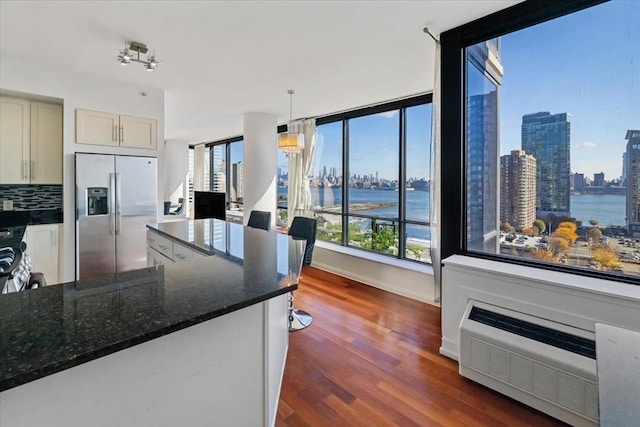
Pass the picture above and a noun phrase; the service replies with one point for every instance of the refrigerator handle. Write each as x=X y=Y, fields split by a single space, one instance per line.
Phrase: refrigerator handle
x=112 y=202
x=118 y=202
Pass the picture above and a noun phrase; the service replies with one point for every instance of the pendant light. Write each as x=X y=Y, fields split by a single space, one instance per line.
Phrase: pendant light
x=291 y=142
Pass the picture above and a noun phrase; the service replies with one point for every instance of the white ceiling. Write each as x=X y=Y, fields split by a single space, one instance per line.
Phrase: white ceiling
x=225 y=58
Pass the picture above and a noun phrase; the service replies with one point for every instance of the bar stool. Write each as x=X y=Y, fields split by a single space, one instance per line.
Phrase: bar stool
x=302 y=228
x=259 y=219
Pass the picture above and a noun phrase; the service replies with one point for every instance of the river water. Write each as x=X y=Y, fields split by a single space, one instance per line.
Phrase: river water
x=608 y=209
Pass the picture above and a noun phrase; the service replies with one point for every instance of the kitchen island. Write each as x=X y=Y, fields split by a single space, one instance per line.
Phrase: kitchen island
x=197 y=342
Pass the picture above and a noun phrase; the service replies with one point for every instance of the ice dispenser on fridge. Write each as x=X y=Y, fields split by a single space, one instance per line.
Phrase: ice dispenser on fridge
x=97 y=203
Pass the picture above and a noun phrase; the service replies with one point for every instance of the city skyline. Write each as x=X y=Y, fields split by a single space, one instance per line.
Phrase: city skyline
x=374 y=144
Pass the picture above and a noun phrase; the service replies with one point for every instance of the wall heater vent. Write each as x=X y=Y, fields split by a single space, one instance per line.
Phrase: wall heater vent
x=546 y=365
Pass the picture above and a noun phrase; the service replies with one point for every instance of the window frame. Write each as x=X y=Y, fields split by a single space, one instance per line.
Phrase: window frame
x=344 y=117
x=453 y=122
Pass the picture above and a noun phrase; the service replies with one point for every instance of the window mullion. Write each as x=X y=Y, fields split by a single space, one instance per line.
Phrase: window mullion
x=402 y=184
x=345 y=181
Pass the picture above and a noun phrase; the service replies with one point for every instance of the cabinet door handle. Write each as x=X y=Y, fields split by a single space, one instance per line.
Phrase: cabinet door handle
x=121 y=134
x=32 y=169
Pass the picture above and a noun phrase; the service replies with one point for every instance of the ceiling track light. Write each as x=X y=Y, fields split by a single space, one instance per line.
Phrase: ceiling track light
x=125 y=56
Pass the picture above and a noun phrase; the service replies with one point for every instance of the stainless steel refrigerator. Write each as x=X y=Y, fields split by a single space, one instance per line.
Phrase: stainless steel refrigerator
x=116 y=196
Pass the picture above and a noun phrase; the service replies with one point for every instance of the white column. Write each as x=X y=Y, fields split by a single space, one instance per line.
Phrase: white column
x=260 y=164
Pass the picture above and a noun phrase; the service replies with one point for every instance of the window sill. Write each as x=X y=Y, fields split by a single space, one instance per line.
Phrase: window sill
x=381 y=259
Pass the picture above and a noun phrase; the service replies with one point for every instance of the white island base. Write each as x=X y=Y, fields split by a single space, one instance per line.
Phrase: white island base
x=222 y=372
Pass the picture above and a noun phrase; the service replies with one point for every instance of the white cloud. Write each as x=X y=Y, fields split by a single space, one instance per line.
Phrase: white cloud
x=389 y=114
x=586 y=144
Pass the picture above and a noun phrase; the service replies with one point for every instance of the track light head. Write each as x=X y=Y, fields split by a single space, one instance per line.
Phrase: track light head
x=125 y=56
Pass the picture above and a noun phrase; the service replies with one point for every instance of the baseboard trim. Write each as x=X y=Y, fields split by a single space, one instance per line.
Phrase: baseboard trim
x=374 y=283
x=449 y=349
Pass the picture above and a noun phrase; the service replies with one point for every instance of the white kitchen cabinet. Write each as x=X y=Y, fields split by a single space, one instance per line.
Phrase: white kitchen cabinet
x=161 y=249
x=43 y=248
x=155 y=258
x=137 y=132
x=46 y=143
x=15 y=129
x=98 y=128
x=30 y=142
x=182 y=253
x=95 y=127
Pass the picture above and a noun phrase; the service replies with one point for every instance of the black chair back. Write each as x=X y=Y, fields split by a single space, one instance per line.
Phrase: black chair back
x=305 y=228
x=260 y=219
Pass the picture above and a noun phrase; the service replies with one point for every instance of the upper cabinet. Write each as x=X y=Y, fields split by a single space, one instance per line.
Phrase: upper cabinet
x=46 y=143
x=137 y=132
x=30 y=142
x=15 y=137
x=94 y=127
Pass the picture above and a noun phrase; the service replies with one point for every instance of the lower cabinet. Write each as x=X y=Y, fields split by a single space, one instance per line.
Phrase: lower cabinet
x=156 y=258
x=162 y=250
x=43 y=249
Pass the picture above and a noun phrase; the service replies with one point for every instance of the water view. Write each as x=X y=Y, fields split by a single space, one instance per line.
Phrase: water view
x=608 y=209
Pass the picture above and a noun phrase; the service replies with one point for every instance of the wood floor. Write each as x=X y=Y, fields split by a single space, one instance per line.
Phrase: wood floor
x=370 y=358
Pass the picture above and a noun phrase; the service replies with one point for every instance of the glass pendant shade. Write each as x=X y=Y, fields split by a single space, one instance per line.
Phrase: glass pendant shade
x=291 y=142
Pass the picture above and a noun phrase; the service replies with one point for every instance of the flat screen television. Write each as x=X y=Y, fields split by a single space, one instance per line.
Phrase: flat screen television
x=209 y=204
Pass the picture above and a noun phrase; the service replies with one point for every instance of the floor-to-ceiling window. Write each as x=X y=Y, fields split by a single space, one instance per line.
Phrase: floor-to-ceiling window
x=326 y=181
x=282 y=178
x=370 y=179
x=222 y=170
x=235 y=175
x=541 y=127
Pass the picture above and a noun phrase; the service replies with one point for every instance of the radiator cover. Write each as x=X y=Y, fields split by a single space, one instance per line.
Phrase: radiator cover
x=499 y=351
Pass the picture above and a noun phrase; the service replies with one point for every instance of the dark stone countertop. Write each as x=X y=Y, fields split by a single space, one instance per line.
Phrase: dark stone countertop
x=47 y=330
x=211 y=236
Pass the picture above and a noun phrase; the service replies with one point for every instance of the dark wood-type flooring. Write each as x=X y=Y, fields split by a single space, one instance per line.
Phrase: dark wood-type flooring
x=370 y=358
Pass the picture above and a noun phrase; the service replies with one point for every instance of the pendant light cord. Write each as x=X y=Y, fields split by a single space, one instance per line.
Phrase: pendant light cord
x=291 y=92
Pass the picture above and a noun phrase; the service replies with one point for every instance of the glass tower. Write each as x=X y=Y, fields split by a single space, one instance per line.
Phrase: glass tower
x=633 y=182
x=547 y=137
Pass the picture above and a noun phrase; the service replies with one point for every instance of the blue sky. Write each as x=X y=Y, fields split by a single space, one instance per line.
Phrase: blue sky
x=590 y=65
x=586 y=64
x=374 y=145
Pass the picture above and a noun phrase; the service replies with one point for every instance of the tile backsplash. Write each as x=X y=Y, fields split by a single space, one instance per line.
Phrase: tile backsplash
x=31 y=197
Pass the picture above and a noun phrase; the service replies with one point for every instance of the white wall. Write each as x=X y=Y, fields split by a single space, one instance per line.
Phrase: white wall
x=260 y=164
x=560 y=297
x=176 y=168
x=86 y=91
x=377 y=271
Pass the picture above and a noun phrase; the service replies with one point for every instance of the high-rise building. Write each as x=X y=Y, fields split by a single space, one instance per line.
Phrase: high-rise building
x=518 y=189
x=578 y=182
x=623 y=178
x=598 y=179
x=633 y=182
x=547 y=137
x=218 y=166
x=237 y=193
x=483 y=146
